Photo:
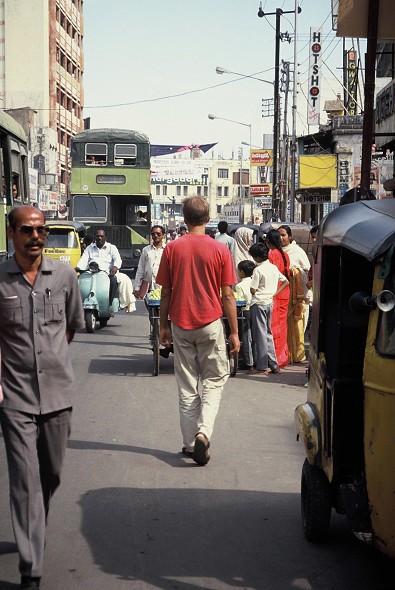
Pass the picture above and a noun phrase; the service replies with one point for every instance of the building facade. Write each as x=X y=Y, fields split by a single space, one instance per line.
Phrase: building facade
x=220 y=181
x=41 y=69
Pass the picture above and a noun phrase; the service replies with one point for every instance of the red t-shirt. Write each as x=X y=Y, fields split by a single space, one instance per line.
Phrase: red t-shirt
x=195 y=267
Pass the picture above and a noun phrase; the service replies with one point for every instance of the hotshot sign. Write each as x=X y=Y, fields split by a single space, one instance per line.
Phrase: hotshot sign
x=314 y=87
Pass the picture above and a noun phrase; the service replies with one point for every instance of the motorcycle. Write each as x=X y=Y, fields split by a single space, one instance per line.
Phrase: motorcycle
x=94 y=287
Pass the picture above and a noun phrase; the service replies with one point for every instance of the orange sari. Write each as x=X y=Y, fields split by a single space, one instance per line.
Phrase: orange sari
x=280 y=311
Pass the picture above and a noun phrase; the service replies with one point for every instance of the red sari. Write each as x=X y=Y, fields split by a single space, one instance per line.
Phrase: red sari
x=280 y=311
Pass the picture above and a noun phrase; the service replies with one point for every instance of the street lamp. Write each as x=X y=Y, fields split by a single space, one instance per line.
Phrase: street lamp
x=221 y=70
x=212 y=117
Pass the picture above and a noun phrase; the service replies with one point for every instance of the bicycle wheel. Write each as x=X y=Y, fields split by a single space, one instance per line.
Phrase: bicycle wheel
x=155 y=345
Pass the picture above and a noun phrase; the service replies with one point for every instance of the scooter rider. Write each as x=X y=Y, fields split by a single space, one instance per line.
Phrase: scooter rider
x=107 y=257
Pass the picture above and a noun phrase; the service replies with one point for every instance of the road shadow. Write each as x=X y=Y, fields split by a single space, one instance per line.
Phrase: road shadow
x=203 y=538
x=172 y=459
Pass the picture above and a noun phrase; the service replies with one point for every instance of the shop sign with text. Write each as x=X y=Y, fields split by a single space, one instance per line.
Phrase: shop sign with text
x=261 y=157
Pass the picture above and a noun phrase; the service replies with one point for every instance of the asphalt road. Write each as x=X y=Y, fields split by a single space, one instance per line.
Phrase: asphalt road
x=133 y=513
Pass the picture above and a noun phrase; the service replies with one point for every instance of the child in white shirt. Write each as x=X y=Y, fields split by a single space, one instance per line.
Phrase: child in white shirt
x=264 y=286
x=245 y=269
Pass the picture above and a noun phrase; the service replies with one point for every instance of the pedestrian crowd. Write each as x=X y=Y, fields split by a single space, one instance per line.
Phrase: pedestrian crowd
x=41 y=308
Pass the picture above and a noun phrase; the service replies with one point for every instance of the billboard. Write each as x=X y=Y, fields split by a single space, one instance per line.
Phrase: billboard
x=317 y=171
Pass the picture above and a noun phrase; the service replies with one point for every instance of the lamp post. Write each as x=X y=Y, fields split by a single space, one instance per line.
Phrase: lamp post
x=212 y=117
x=221 y=70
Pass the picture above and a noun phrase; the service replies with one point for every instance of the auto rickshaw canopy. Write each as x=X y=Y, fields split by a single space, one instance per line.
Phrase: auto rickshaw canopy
x=364 y=227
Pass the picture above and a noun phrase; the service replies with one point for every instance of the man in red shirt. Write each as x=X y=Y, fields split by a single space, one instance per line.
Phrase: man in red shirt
x=193 y=271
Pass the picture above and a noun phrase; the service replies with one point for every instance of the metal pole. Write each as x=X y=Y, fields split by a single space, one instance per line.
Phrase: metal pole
x=294 y=109
x=370 y=69
x=251 y=197
x=241 y=220
x=276 y=111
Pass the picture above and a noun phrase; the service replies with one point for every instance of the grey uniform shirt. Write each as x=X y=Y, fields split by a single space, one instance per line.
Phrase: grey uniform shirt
x=37 y=376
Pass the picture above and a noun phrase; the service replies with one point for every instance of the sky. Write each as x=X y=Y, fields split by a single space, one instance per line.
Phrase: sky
x=150 y=66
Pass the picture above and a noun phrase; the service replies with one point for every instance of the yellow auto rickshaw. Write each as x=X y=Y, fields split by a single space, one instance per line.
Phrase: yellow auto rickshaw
x=64 y=240
x=348 y=421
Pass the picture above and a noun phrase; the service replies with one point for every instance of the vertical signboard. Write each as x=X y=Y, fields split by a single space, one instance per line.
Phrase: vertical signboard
x=314 y=80
x=352 y=83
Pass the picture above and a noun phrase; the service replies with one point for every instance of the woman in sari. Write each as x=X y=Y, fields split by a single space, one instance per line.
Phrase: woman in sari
x=244 y=238
x=298 y=301
x=281 y=301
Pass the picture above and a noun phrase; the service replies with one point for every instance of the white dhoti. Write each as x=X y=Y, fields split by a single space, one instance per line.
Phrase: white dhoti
x=127 y=300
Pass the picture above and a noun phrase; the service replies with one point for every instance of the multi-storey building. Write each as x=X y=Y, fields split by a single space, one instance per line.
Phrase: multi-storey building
x=220 y=181
x=41 y=68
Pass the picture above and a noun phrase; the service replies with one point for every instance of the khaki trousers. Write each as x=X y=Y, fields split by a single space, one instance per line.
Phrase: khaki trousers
x=201 y=368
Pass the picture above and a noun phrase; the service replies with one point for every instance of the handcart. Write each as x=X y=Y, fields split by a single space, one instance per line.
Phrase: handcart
x=153 y=306
x=234 y=358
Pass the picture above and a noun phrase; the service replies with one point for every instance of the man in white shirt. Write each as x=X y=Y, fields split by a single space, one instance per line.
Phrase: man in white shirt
x=149 y=263
x=108 y=258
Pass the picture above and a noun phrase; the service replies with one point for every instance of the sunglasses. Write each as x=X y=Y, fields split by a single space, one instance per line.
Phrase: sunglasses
x=28 y=230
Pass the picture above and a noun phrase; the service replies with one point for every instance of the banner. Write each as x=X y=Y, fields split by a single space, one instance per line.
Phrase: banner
x=314 y=80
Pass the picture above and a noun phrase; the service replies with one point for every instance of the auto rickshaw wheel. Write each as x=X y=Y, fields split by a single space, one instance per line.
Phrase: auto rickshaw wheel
x=316 y=503
x=90 y=321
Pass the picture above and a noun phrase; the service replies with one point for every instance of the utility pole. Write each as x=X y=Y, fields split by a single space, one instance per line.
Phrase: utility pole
x=276 y=113
x=283 y=184
x=279 y=12
x=370 y=70
x=292 y=194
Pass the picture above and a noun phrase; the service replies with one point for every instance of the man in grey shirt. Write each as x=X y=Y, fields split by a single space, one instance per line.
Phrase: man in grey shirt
x=225 y=238
x=40 y=309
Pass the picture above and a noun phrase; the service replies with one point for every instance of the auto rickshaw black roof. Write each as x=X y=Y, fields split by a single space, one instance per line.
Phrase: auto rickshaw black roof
x=364 y=227
x=77 y=225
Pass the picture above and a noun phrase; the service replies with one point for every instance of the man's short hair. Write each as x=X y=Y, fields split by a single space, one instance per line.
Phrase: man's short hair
x=223 y=227
x=196 y=211
x=160 y=227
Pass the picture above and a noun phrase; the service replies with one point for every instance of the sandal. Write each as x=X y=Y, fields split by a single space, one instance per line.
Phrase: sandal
x=201 y=453
x=187 y=453
x=257 y=372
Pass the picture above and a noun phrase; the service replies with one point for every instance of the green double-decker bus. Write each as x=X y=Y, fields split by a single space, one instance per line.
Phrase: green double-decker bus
x=14 y=185
x=110 y=188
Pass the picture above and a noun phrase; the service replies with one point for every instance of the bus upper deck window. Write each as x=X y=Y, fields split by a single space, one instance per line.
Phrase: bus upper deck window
x=125 y=154
x=96 y=154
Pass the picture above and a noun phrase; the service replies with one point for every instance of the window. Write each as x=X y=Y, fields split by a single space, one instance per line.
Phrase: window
x=219 y=191
x=178 y=191
x=226 y=191
x=185 y=191
x=199 y=191
x=205 y=191
x=157 y=190
x=92 y=209
x=164 y=192
x=223 y=173
x=125 y=154
x=96 y=154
